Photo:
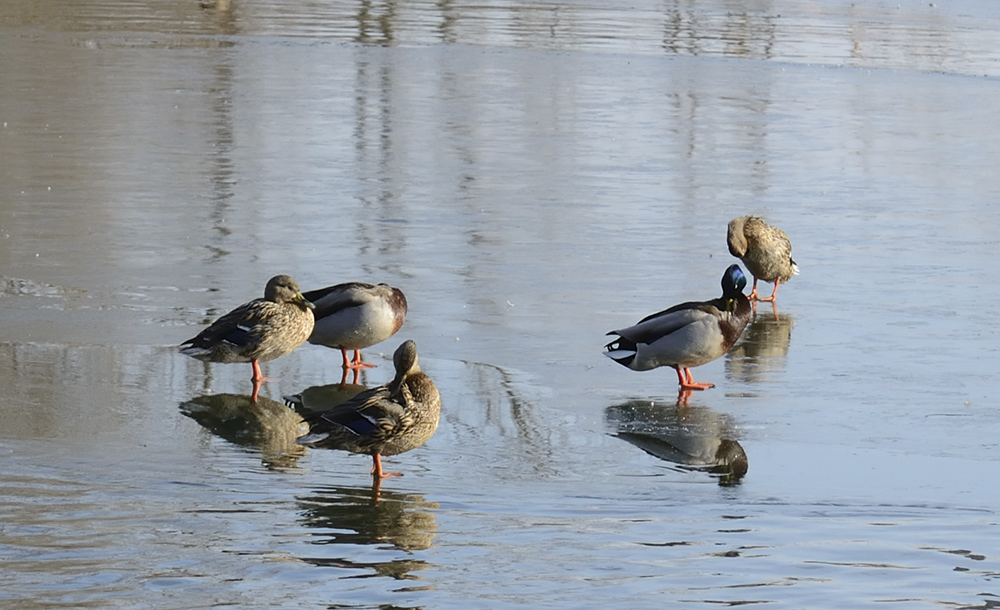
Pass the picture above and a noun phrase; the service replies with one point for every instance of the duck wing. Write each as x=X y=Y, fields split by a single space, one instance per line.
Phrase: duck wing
x=235 y=328
x=333 y=299
x=373 y=415
x=663 y=323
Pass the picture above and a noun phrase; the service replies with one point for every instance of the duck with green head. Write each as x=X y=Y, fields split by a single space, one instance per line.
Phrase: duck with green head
x=686 y=335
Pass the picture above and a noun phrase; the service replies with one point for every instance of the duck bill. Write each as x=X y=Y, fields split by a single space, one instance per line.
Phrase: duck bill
x=301 y=300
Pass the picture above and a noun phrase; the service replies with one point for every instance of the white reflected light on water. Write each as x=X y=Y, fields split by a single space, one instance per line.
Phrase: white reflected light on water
x=953 y=37
x=531 y=175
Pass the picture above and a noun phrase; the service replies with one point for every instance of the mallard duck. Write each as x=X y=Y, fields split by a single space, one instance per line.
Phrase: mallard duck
x=686 y=335
x=693 y=437
x=765 y=250
x=262 y=424
x=354 y=315
x=716 y=455
x=258 y=331
x=387 y=420
x=319 y=398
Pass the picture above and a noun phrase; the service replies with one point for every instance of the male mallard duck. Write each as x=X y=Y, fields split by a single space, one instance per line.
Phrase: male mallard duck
x=258 y=331
x=387 y=420
x=686 y=335
x=765 y=250
x=694 y=438
x=354 y=316
x=716 y=455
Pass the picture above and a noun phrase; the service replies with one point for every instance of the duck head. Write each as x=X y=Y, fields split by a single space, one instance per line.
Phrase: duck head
x=406 y=362
x=733 y=283
x=283 y=289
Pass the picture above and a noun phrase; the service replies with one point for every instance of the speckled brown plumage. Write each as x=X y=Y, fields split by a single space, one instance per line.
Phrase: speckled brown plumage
x=765 y=250
x=388 y=420
x=258 y=331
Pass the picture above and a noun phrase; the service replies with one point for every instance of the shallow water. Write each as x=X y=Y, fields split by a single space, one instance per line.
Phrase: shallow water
x=531 y=176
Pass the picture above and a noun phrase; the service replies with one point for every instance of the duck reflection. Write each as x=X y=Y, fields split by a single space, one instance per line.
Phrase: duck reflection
x=693 y=437
x=362 y=516
x=764 y=349
x=319 y=398
x=266 y=425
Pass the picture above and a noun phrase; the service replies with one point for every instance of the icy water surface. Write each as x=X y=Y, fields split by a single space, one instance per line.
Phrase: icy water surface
x=531 y=175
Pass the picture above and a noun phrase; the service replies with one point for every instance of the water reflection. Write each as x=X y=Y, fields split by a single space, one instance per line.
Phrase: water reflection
x=693 y=437
x=224 y=7
x=266 y=425
x=507 y=433
x=220 y=167
x=763 y=348
x=67 y=391
x=319 y=398
x=362 y=516
x=910 y=37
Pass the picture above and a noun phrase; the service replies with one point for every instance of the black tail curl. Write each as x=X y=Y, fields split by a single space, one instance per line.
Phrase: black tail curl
x=622 y=344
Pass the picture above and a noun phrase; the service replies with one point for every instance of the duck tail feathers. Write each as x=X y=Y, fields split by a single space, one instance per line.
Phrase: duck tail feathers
x=312 y=438
x=195 y=351
x=621 y=350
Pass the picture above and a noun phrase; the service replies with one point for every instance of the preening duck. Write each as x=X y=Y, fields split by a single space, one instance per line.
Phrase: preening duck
x=388 y=420
x=765 y=250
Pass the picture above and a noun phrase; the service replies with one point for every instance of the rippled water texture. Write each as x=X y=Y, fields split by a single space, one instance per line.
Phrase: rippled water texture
x=531 y=176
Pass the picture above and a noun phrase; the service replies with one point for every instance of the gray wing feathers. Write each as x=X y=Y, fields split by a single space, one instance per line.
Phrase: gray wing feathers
x=660 y=325
x=335 y=301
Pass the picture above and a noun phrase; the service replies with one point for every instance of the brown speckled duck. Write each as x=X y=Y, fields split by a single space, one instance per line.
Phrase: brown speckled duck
x=765 y=250
x=258 y=331
x=686 y=335
x=355 y=315
x=388 y=420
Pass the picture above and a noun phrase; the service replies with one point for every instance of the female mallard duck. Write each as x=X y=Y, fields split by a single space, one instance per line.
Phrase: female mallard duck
x=354 y=316
x=765 y=250
x=258 y=331
x=387 y=420
x=686 y=335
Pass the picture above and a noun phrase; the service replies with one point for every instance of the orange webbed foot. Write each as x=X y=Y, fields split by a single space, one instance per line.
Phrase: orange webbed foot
x=377 y=472
x=356 y=364
x=698 y=386
x=771 y=298
x=687 y=381
x=257 y=375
